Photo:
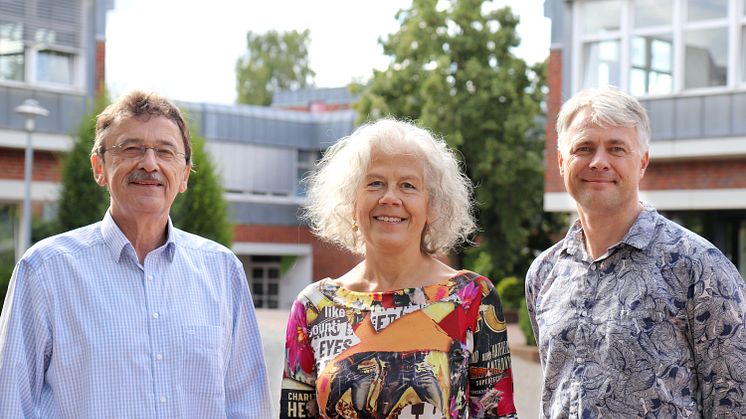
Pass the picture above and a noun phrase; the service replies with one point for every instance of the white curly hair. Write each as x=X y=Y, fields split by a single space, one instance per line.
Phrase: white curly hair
x=333 y=186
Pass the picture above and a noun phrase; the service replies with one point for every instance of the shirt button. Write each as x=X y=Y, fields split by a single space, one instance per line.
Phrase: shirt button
x=580 y=360
x=163 y=399
x=155 y=315
x=150 y=277
x=159 y=356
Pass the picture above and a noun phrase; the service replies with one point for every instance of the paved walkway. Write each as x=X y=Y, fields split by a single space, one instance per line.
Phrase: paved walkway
x=526 y=374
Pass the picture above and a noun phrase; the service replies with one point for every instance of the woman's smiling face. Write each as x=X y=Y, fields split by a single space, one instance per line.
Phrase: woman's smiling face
x=392 y=203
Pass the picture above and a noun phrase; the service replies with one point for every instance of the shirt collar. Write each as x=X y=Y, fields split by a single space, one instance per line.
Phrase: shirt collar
x=639 y=235
x=118 y=242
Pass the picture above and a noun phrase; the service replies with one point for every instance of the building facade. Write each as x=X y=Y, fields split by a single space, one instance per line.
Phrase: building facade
x=51 y=51
x=685 y=60
x=54 y=51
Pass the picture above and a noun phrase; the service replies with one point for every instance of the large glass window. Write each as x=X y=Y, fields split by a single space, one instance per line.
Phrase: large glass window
x=651 y=65
x=12 y=53
x=653 y=13
x=698 y=10
x=602 y=16
x=602 y=64
x=305 y=164
x=659 y=47
x=55 y=67
x=706 y=54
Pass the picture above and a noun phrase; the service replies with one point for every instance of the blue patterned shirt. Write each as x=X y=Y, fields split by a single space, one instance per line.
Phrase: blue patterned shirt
x=89 y=332
x=653 y=328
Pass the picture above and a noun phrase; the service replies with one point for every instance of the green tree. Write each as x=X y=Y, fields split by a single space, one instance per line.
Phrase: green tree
x=82 y=200
x=202 y=209
x=273 y=61
x=453 y=70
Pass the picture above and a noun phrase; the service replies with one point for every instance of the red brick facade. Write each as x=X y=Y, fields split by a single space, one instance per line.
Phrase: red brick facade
x=327 y=260
x=100 y=66
x=46 y=165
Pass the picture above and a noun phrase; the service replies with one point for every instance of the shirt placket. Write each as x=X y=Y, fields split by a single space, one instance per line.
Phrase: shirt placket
x=160 y=358
x=583 y=302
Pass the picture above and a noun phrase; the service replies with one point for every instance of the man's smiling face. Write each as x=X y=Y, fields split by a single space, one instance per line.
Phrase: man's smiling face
x=144 y=185
x=601 y=166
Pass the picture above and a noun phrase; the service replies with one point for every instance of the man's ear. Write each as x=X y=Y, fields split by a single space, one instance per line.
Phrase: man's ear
x=560 y=161
x=644 y=164
x=97 y=163
x=185 y=179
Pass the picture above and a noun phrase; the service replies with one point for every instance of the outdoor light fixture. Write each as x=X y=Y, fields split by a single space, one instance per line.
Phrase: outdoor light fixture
x=30 y=109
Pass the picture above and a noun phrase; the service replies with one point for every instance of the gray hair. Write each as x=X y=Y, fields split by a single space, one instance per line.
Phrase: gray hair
x=609 y=107
x=333 y=186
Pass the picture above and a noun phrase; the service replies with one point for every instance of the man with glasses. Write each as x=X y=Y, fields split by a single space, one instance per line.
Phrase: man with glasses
x=130 y=316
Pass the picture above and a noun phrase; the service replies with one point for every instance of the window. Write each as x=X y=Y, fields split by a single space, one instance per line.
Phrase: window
x=12 y=55
x=264 y=281
x=706 y=52
x=601 y=42
x=651 y=13
x=305 y=164
x=651 y=69
x=699 y=10
x=41 y=44
x=743 y=54
x=603 y=16
x=55 y=67
x=743 y=43
x=660 y=47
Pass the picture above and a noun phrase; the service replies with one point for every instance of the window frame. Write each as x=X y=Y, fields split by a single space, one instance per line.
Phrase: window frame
x=734 y=23
x=32 y=48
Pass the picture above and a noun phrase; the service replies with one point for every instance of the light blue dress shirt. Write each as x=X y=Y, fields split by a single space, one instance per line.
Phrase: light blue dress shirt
x=89 y=332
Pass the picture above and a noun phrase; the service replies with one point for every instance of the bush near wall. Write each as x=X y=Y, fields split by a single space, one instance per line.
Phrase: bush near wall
x=511 y=292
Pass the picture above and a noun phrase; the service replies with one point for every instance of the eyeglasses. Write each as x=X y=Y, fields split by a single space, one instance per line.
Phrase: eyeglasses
x=164 y=153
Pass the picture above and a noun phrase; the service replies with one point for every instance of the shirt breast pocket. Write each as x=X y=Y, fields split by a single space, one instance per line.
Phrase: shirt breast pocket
x=203 y=360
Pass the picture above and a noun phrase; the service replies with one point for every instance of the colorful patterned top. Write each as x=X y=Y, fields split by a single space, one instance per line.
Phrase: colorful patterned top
x=431 y=352
x=653 y=328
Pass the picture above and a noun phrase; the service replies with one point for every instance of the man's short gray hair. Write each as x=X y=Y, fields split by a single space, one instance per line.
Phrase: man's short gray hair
x=609 y=107
x=332 y=188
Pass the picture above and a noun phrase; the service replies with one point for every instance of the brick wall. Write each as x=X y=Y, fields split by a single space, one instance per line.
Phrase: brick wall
x=46 y=166
x=695 y=174
x=100 y=65
x=327 y=260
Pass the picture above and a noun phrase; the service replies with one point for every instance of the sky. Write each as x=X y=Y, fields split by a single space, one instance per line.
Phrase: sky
x=187 y=49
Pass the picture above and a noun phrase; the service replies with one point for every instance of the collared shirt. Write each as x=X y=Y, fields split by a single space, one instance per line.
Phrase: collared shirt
x=652 y=328
x=89 y=332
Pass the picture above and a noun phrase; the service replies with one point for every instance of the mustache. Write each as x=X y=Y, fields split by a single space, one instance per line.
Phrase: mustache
x=143 y=176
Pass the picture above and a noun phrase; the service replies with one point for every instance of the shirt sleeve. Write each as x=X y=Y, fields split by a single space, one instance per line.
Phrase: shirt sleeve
x=717 y=312
x=246 y=384
x=532 y=284
x=25 y=344
x=298 y=394
x=490 y=379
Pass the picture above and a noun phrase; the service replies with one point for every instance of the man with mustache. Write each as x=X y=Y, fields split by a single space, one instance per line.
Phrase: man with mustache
x=634 y=315
x=132 y=317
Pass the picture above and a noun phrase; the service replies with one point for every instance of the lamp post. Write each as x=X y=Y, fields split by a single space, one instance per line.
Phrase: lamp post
x=29 y=109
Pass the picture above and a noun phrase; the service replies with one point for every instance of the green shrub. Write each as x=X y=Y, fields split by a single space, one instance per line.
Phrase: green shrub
x=511 y=292
x=525 y=324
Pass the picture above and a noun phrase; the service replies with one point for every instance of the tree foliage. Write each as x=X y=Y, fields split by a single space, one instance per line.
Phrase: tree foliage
x=453 y=71
x=202 y=210
x=273 y=61
x=82 y=200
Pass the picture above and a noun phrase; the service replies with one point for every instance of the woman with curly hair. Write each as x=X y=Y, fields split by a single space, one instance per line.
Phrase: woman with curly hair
x=401 y=334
